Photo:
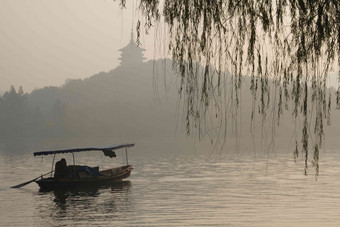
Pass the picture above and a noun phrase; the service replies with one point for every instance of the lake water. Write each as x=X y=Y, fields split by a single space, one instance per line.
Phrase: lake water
x=180 y=190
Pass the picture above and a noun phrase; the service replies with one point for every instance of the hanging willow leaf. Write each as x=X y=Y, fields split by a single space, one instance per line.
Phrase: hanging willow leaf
x=294 y=43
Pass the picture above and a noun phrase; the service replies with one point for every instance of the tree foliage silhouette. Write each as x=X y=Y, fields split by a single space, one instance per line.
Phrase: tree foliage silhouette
x=288 y=47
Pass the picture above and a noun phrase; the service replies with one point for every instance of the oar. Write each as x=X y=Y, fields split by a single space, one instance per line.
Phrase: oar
x=23 y=184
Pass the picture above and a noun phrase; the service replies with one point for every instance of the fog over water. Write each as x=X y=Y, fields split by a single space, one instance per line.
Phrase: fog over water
x=176 y=180
x=177 y=189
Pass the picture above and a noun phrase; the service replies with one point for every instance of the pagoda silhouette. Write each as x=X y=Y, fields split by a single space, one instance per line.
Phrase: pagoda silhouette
x=131 y=54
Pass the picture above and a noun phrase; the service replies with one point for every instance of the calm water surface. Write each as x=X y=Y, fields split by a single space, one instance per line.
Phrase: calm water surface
x=180 y=190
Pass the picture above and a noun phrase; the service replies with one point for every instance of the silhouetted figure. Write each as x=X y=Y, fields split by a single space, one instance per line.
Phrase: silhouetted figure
x=61 y=169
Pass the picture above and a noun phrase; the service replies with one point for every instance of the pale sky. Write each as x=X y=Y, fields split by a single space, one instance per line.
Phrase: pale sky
x=45 y=42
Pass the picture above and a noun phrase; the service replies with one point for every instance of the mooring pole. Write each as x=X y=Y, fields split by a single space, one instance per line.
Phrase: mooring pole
x=127 y=162
x=52 y=164
x=74 y=165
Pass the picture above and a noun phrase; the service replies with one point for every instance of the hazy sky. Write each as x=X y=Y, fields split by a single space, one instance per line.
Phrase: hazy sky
x=45 y=42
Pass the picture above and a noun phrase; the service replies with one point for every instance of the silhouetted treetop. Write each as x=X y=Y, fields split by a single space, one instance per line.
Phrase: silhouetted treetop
x=293 y=43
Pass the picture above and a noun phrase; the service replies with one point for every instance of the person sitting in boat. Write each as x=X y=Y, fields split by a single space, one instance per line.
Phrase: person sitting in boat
x=61 y=169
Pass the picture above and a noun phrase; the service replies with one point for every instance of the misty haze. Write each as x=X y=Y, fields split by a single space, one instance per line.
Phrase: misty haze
x=156 y=125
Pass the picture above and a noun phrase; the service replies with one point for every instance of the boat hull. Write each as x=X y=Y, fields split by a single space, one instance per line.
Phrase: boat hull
x=51 y=183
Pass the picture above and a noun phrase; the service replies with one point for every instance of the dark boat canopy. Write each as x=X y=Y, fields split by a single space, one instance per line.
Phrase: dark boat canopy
x=108 y=151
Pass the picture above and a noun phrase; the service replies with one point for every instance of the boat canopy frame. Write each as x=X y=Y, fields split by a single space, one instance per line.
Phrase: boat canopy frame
x=104 y=149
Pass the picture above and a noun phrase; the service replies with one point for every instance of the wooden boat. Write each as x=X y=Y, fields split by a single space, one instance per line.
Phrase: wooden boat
x=77 y=176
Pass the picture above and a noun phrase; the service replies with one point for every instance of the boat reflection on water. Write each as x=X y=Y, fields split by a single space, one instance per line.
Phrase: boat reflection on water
x=86 y=204
x=90 y=191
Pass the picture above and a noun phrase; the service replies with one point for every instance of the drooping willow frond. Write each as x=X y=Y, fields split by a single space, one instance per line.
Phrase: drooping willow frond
x=287 y=47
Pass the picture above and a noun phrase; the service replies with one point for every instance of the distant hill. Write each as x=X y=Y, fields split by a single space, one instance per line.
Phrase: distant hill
x=121 y=102
x=137 y=101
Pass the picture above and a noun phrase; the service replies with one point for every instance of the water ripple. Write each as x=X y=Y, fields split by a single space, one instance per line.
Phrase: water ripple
x=181 y=192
